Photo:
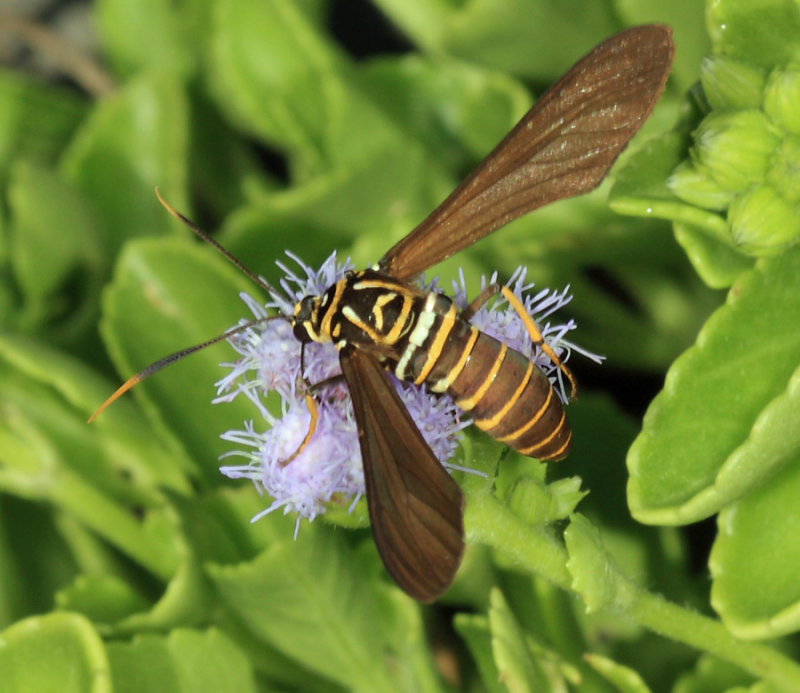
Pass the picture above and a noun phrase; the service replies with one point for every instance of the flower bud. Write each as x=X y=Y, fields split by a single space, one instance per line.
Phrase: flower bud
x=782 y=99
x=734 y=147
x=729 y=84
x=687 y=183
x=762 y=222
x=784 y=170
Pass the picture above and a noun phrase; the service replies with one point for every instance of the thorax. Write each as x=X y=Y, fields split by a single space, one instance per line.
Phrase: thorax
x=370 y=310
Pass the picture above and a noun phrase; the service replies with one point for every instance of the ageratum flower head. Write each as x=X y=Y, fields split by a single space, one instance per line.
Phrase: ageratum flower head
x=328 y=469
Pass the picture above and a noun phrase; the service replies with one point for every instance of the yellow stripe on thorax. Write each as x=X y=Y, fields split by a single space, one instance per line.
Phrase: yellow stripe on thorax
x=356 y=320
x=435 y=349
x=394 y=334
x=330 y=310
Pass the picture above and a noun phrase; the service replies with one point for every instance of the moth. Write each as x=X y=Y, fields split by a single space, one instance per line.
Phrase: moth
x=381 y=321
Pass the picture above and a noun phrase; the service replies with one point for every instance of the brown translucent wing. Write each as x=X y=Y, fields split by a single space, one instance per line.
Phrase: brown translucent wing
x=415 y=506
x=562 y=147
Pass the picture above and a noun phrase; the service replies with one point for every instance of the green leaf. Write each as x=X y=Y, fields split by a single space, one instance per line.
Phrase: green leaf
x=518 y=670
x=145 y=664
x=594 y=576
x=267 y=65
x=687 y=19
x=69 y=392
x=458 y=110
x=133 y=141
x=755 y=560
x=105 y=599
x=309 y=599
x=475 y=632
x=146 y=34
x=717 y=263
x=183 y=661
x=281 y=78
x=536 y=39
x=36 y=121
x=41 y=201
x=49 y=453
x=625 y=679
x=210 y=661
x=385 y=193
x=711 y=674
x=725 y=421
x=523 y=663
x=75 y=659
x=187 y=600
x=47 y=265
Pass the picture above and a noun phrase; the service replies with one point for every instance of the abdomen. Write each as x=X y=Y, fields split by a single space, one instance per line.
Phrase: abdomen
x=505 y=394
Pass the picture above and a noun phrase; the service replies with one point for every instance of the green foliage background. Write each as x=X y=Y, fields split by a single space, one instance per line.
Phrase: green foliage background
x=128 y=563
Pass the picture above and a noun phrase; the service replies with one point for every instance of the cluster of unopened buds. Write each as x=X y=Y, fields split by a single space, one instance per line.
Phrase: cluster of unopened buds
x=744 y=161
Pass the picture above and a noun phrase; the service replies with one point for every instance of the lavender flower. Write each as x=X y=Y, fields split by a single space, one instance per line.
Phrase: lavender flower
x=329 y=468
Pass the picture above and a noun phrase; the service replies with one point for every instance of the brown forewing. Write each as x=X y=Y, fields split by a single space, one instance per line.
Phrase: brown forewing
x=562 y=147
x=415 y=506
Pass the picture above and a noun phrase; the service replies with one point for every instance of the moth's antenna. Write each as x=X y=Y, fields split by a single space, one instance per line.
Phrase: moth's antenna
x=177 y=356
x=203 y=236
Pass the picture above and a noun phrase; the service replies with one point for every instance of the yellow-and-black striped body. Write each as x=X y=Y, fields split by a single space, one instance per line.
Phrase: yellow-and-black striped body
x=421 y=338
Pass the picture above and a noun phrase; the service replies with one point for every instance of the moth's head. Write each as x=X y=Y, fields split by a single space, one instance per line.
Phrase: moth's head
x=305 y=320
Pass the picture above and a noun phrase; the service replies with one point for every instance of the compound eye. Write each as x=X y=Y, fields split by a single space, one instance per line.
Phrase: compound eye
x=304 y=308
x=304 y=313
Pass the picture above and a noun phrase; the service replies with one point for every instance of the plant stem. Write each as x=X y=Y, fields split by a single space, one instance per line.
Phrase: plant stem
x=710 y=635
x=489 y=521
